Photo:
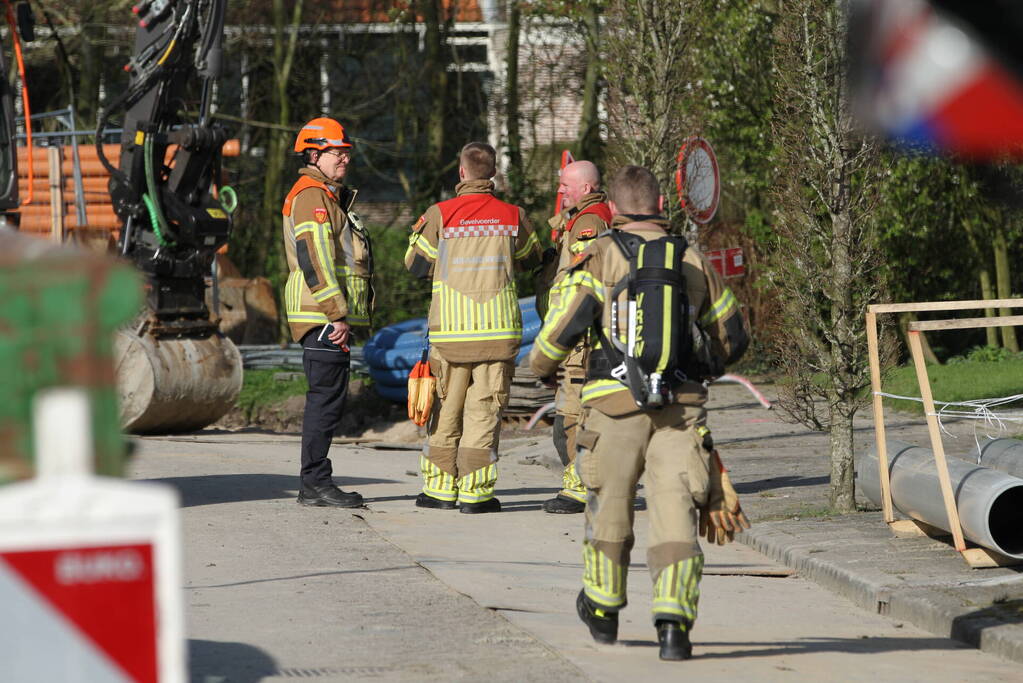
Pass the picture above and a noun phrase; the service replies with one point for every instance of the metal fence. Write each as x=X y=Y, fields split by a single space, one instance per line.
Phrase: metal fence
x=273 y=356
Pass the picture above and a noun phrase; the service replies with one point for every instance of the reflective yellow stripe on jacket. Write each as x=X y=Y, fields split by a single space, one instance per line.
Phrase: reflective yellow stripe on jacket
x=463 y=319
x=724 y=305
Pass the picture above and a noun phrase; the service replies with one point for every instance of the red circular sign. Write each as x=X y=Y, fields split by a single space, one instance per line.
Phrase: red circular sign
x=697 y=179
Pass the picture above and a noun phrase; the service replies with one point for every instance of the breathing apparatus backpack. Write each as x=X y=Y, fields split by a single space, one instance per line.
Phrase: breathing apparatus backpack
x=658 y=347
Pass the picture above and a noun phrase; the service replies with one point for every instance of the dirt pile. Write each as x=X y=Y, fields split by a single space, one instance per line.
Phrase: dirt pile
x=366 y=413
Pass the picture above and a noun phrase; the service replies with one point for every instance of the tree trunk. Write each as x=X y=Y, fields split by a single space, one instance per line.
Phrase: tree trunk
x=515 y=180
x=843 y=496
x=268 y=252
x=1002 y=277
x=91 y=62
x=590 y=145
x=987 y=291
x=436 y=74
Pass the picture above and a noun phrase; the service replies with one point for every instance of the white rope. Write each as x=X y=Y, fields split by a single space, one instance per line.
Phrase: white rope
x=978 y=409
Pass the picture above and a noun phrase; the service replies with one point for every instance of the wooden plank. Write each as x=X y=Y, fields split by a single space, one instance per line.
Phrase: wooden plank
x=965 y=323
x=912 y=528
x=971 y=305
x=879 y=430
x=56 y=180
x=916 y=349
x=983 y=558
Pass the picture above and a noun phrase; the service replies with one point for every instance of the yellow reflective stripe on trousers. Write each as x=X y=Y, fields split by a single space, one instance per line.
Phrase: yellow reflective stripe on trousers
x=677 y=589
x=478 y=486
x=603 y=580
x=725 y=303
x=601 y=387
x=531 y=242
x=436 y=482
x=572 y=485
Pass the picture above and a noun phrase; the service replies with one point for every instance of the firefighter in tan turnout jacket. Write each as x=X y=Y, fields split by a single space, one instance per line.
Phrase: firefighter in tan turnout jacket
x=327 y=292
x=620 y=440
x=585 y=217
x=470 y=247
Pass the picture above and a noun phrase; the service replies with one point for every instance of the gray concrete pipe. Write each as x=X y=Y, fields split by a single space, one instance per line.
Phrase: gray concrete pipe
x=990 y=503
x=1004 y=455
x=175 y=385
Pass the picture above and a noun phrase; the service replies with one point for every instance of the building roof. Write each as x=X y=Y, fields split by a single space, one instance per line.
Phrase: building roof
x=358 y=11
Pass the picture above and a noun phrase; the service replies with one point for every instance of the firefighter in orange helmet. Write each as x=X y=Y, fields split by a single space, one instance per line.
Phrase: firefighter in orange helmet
x=327 y=293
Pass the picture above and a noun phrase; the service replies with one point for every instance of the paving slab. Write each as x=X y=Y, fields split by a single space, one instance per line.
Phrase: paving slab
x=277 y=591
x=781 y=471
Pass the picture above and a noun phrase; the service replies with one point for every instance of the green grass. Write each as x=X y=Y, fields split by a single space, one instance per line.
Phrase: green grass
x=963 y=380
x=259 y=388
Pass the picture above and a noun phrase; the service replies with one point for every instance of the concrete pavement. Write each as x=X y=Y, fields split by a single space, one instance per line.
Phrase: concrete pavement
x=277 y=591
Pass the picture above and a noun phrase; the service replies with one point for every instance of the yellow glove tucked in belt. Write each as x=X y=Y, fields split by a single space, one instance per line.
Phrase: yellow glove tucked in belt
x=722 y=516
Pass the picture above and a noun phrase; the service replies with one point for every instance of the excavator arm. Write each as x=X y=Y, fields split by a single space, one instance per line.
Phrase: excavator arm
x=176 y=371
x=173 y=223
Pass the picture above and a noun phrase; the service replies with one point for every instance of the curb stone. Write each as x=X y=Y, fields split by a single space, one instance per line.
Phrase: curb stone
x=989 y=618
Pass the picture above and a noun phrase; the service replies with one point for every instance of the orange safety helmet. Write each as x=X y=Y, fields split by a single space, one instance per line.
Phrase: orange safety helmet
x=321 y=134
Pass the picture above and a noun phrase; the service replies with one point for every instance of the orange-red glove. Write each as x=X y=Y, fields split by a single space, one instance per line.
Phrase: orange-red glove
x=722 y=516
x=421 y=384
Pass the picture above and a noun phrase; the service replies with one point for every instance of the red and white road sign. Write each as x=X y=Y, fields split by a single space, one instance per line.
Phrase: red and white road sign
x=727 y=262
x=90 y=567
x=96 y=606
x=697 y=179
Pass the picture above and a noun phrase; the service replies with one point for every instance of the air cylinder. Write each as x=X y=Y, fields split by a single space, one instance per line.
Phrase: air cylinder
x=173 y=385
x=990 y=503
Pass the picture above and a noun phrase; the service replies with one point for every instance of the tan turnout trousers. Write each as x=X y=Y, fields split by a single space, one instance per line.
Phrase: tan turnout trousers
x=613 y=453
x=460 y=458
x=568 y=404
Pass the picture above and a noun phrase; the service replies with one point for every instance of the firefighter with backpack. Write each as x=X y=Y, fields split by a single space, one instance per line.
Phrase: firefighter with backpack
x=585 y=216
x=661 y=322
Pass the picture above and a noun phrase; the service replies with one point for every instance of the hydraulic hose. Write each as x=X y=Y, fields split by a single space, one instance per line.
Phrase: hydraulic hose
x=228 y=198
x=154 y=220
x=151 y=199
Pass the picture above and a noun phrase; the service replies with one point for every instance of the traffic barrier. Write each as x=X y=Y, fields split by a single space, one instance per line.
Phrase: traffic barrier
x=90 y=567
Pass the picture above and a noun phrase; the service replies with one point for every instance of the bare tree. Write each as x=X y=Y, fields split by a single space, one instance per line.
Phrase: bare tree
x=285 y=40
x=646 y=47
x=826 y=265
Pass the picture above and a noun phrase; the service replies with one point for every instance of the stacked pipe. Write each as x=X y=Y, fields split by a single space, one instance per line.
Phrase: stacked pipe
x=53 y=169
x=391 y=352
x=989 y=502
x=54 y=181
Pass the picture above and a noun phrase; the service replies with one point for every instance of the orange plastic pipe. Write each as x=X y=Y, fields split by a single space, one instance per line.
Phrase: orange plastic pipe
x=24 y=95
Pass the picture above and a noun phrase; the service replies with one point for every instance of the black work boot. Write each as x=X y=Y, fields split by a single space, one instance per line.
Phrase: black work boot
x=492 y=505
x=329 y=496
x=603 y=625
x=425 y=501
x=563 y=505
x=675 y=645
